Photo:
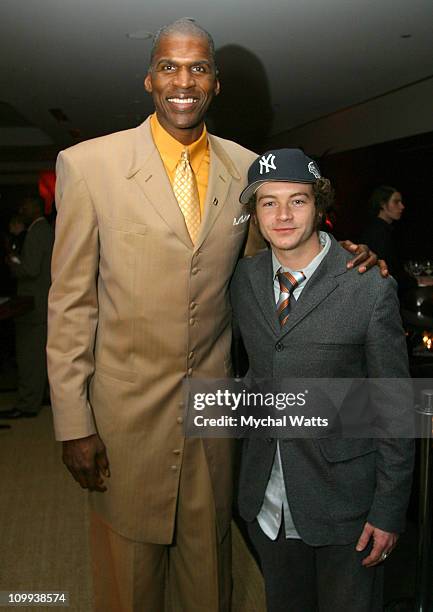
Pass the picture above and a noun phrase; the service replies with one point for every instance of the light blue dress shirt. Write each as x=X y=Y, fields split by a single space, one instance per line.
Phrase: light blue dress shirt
x=275 y=504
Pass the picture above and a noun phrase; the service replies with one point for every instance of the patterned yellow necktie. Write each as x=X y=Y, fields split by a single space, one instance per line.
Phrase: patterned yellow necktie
x=185 y=190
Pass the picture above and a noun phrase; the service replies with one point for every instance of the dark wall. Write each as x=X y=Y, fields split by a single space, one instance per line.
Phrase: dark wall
x=406 y=164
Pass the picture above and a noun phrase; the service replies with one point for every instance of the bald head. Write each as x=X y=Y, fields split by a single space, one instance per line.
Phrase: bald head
x=183 y=27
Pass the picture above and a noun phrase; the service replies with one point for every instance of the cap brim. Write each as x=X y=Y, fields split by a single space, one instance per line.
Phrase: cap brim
x=249 y=191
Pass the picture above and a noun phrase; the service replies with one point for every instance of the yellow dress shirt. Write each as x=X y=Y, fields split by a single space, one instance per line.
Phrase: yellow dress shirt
x=170 y=151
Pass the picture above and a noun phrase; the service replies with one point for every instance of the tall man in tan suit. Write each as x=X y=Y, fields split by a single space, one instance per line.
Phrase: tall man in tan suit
x=139 y=302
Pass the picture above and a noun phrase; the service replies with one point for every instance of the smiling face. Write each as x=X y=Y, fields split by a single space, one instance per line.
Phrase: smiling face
x=287 y=218
x=182 y=80
x=393 y=209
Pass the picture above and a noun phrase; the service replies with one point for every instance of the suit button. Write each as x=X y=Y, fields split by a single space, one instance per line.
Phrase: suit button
x=194 y=270
x=189 y=371
x=192 y=305
x=174 y=468
x=279 y=347
x=176 y=452
x=179 y=420
x=192 y=321
x=191 y=355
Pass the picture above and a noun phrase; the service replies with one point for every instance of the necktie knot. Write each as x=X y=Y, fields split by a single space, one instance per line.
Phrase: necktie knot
x=288 y=283
x=185 y=156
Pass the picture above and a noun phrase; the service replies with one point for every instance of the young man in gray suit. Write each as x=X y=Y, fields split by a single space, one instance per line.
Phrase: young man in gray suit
x=322 y=513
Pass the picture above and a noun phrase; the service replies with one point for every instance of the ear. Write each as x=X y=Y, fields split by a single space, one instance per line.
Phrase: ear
x=217 y=87
x=148 y=83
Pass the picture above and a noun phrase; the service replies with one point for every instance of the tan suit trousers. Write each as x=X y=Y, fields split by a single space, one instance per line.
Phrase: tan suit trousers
x=193 y=574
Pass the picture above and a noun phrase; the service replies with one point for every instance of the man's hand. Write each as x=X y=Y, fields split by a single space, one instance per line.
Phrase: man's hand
x=363 y=256
x=383 y=543
x=87 y=460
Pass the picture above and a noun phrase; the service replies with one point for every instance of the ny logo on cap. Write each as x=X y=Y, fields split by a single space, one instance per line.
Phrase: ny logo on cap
x=267 y=163
x=313 y=169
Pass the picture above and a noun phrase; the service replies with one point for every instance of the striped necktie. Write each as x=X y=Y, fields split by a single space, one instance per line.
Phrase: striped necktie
x=185 y=190
x=288 y=283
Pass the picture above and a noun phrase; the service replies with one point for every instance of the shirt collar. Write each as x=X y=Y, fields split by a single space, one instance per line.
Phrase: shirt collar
x=325 y=242
x=171 y=149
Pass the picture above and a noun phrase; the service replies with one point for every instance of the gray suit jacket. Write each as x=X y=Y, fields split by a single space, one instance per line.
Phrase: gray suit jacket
x=344 y=325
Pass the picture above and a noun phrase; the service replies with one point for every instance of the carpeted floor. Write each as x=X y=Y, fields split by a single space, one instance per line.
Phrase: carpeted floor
x=43 y=522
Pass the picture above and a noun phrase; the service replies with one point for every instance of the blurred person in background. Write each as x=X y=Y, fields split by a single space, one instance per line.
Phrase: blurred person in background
x=386 y=207
x=31 y=267
x=17 y=234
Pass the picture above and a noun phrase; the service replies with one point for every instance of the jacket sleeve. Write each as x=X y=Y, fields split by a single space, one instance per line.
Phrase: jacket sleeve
x=387 y=359
x=73 y=303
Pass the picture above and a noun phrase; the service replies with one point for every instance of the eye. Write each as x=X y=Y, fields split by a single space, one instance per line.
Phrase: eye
x=167 y=68
x=268 y=203
x=199 y=68
x=298 y=203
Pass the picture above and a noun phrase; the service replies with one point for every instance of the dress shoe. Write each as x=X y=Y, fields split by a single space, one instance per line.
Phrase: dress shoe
x=15 y=413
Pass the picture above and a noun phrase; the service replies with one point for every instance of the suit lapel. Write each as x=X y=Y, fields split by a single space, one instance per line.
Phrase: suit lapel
x=263 y=288
x=314 y=293
x=221 y=170
x=148 y=170
x=321 y=284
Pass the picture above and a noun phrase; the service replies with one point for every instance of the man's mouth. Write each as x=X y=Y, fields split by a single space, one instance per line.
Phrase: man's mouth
x=182 y=102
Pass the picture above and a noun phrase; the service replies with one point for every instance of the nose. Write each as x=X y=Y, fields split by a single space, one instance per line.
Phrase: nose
x=285 y=212
x=184 y=77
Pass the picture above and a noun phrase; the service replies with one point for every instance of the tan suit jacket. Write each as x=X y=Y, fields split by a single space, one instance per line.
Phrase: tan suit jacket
x=134 y=308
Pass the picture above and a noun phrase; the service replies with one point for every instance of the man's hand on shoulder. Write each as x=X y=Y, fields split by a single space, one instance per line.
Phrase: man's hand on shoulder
x=86 y=459
x=364 y=258
x=384 y=543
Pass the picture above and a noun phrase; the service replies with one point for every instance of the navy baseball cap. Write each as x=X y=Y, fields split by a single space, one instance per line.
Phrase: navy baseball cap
x=290 y=165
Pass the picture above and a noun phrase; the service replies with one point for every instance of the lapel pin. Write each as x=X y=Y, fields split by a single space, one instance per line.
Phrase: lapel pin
x=215 y=202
